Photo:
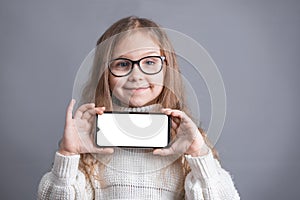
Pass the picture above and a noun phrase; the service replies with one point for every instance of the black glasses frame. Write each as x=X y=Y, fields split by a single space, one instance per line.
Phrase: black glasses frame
x=133 y=62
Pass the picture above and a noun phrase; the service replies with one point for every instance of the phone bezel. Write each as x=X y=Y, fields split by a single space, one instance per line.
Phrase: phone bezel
x=148 y=113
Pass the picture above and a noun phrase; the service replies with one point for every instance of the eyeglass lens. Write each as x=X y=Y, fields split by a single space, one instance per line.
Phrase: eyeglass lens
x=148 y=65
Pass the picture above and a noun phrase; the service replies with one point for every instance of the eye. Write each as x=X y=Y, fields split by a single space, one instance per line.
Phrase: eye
x=151 y=61
x=122 y=63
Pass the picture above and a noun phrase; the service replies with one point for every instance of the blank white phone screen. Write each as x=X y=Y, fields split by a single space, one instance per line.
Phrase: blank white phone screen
x=132 y=130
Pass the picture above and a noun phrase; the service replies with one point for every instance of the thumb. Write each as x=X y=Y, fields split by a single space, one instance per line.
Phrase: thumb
x=103 y=150
x=164 y=152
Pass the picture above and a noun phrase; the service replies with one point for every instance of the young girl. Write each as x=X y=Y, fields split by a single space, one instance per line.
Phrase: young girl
x=135 y=69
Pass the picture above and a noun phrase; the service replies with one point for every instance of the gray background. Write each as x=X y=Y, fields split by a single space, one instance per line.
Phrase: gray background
x=255 y=45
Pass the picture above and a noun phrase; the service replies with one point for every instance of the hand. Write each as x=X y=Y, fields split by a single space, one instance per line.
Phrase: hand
x=188 y=137
x=78 y=135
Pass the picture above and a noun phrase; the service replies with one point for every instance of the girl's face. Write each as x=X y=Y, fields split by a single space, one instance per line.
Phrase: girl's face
x=136 y=89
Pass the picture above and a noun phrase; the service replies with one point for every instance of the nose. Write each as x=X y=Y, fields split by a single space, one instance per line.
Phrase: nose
x=136 y=73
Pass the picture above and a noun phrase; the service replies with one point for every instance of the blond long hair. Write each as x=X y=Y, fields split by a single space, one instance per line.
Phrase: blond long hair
x=97 y=88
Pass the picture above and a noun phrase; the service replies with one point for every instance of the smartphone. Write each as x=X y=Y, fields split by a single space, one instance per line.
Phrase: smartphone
x=133 y=129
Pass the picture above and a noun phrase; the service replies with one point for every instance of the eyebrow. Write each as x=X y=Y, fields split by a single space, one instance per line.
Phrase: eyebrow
x=142 y=55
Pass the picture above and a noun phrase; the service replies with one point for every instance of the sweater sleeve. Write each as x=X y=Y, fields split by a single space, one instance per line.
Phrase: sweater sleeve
x=64 y=181
x=208 y=180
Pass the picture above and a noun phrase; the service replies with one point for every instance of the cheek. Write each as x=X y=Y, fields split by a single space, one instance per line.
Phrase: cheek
x=158 y=89
x=115 y=84
x=158 y=83
x=158 y=80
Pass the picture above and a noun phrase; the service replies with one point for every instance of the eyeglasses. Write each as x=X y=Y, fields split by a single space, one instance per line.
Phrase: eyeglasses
x=149 y=65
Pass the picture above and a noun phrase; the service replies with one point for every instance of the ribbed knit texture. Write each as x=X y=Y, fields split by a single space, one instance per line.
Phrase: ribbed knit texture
x=138 y=174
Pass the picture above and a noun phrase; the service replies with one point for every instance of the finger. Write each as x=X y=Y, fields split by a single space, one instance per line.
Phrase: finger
x=174 y=126
x=166 y=111
x=92 y=121
x=88 y=114
x=170 y=110
x=178 y=147
x=173 y=113
x=70 y=110
x=181 y=115
x=176 y=120
x=178 y=116
x=164 y=152
x=82 y=109
x=99 y=110
x=177 y=113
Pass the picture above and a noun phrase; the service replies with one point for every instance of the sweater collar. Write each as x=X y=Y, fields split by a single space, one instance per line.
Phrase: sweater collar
x=149 y=108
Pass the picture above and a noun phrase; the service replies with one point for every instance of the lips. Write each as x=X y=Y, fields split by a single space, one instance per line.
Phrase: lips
x=138 y=89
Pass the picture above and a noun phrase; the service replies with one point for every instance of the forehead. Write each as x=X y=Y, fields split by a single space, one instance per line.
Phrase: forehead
x=135 y=43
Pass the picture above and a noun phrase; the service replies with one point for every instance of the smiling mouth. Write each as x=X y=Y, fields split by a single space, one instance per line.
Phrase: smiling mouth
x=138 y=89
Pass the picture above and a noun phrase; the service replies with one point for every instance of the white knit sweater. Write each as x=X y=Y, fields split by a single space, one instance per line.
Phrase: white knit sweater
x=138 y=174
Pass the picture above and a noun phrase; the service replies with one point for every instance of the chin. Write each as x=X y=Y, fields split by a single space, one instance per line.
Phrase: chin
x=139 y=103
